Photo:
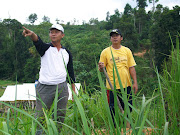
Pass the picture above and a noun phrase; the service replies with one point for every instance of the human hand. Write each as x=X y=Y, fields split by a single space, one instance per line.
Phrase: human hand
x=101 y=66
x=27 y=32
x=135 y=88
x=31 y=34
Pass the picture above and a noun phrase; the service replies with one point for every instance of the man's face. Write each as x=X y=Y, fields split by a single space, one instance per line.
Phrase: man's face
x=56 y=35
x=116 y=38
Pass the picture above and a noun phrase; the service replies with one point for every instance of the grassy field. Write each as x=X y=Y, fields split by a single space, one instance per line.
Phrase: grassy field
x=89 y=115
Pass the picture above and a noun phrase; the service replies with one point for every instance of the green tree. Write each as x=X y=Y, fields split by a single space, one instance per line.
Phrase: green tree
x=167 y=24
x=93 y=21
x=128 y=9
x=141 y=3
x=5 y=64
x=153 y=1
x=31 y=69
x=32 y=18
x=107 y=16
x=46 y=19
x=13 y=50
x=140 y=19
x=158 y=12
x=112 y=20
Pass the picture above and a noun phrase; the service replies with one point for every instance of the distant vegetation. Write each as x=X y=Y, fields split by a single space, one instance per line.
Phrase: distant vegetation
x=141 y=31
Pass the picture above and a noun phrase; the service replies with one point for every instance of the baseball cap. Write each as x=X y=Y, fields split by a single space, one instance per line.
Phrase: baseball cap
x=58 y=27
x=117 y=31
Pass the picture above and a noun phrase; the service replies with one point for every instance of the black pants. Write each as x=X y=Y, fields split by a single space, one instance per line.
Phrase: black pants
x=111 y=100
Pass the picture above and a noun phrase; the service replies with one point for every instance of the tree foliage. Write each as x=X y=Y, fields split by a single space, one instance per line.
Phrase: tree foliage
x=141 y=3
x=167 y=24
x=140 y=30
x=32 y=18
x=46 y=19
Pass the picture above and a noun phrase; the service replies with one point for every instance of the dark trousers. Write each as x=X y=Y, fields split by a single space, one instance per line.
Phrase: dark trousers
x=111 y=100
x=47 y=94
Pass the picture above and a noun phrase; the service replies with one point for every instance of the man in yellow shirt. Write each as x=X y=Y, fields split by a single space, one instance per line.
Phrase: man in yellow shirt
x=125 y=64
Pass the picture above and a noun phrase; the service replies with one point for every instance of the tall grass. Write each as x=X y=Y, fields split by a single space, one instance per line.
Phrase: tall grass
x=85 y=115
x=90 y=114
x=171 y=88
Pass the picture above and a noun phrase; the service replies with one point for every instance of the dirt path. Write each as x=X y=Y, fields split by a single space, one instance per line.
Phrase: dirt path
x=140 y=54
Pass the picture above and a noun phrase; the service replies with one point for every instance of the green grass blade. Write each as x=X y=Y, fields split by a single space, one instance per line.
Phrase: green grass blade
x=162 y=100
x=166 y=129
x=33 y=131
x=71 y=128
x=5 y=133
x=5 y=127
x=143 y=120
x=8 y=117
x=55 y=104
x=82 y=113
x=53 y=125
x=105 y=102
x=50 y=130
x=25 y=113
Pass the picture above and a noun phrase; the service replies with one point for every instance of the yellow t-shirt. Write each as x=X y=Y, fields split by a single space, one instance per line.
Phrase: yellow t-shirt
x=124 y=59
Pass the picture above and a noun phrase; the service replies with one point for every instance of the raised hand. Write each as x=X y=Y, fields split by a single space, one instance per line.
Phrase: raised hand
x=27 y=32
x=31 y=34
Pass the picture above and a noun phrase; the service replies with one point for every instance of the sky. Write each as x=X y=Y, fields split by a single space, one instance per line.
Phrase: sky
x=68 y=10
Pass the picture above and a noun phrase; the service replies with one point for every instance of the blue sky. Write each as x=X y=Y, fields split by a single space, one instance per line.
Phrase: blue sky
x=67 y=10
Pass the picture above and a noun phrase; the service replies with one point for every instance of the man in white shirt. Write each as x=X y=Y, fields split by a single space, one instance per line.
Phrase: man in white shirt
x=54 y=60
